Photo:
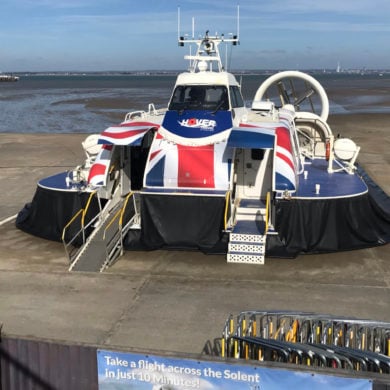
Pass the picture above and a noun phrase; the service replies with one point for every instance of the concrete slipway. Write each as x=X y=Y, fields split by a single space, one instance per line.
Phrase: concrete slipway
x=163 y=301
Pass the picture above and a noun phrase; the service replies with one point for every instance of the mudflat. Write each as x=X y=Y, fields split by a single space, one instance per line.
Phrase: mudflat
x=171 y=301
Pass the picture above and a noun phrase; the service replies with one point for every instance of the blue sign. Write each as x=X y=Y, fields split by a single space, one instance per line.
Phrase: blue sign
x=120 y=371
x=197 y=124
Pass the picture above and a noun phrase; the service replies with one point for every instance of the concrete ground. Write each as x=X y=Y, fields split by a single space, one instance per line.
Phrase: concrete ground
x=165 y=301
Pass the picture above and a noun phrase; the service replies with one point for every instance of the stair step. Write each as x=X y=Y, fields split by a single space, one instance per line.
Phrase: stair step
x=247 y=216
x=246 y=248
x=247 y=242
x=245 y=258
x=249 y=227
x=247 y=238
x=252 y=203
x=250 y=210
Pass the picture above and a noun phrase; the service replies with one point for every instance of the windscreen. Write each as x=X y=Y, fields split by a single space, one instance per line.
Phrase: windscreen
x=199 y=97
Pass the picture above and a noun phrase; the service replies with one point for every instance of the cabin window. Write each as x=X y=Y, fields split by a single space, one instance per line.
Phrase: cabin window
x=236 y=97
x=257 y=154
x=199 y=97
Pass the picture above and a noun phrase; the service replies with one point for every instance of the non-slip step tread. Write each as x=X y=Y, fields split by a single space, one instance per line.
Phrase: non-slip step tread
x=247 y=238
x=245 y=258
x=252 y=203
x=246 y=248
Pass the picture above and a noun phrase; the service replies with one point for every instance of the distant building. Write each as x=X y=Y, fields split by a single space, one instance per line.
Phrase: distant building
x=8 y=77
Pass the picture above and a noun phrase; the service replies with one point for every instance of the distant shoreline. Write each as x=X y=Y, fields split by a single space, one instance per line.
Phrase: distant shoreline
x=174 y=72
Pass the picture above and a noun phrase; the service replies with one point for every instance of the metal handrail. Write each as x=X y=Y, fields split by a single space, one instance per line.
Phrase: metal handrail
x=267 y=211
x=142 y=114
x=119 y=214
x=129 y=195
x=69 y=223
x=87 y=206
x=227 y=199
x=83 y=212
x=112 y=250
x=116 y=215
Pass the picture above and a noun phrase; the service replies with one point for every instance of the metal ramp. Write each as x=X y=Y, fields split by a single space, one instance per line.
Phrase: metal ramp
x=248 y=236
x=104 y=244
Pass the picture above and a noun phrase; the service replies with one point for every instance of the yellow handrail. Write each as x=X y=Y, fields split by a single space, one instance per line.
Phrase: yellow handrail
x=227 y=198
x=70 y=222
x=112 y=221
x=267 y=206
x=87 y=206
x=83 y=211
x=119 y=213
x=129 y=195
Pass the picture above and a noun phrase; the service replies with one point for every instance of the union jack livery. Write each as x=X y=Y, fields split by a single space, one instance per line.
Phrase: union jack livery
x=175 y=166
x=210 y=173
x=99 y=170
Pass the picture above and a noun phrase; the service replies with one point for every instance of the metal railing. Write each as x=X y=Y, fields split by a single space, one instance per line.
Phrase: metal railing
x=72 y=247
x=141 y=114
x=267 y=211
x=226 y=212
x=308 y=339
x=113 y=234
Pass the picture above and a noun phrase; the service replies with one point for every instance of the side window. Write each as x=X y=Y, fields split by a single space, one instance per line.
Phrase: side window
x=236 y=97
x=177 y=99
x=233 y=97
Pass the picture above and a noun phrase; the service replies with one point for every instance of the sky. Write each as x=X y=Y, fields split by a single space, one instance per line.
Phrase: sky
x=131 y=35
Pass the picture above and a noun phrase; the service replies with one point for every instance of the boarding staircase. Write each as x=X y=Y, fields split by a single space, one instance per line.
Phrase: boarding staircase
x=104 y=244
x=248 y=236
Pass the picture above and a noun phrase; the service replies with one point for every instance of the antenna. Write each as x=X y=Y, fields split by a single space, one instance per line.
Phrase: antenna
x=207 y=46
x=178 y=23
x=238 y=22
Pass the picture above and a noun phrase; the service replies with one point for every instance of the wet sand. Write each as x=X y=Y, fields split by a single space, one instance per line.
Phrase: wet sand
x=372 y=133
x=165 y=301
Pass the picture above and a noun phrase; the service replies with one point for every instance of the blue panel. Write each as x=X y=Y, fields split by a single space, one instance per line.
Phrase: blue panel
x=283 y=184
x=332 y=185
x=197 y=124
x=136 y=142
x=57 y=182
x=250 y=139
x=155 y=177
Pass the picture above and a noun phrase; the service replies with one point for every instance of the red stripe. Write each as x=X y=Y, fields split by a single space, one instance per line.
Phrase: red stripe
x=283 y=138
x=286 y=159
x=154 y=154
x=96 y=169
x=196 y=166
x=137 y=124
x=247 y=125
x=284 y=141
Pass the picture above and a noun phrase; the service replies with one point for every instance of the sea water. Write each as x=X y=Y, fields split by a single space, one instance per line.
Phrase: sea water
x=90 y=103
